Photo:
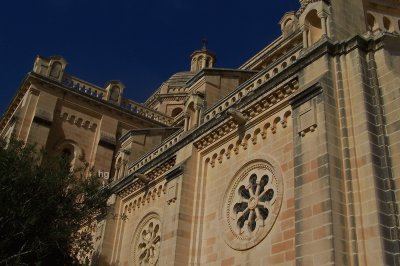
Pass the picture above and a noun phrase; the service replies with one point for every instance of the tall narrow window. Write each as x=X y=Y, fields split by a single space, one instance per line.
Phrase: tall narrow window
x=314 y=27
x=56 y=70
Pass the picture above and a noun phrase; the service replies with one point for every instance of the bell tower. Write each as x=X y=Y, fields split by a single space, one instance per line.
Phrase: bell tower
x=202 y=58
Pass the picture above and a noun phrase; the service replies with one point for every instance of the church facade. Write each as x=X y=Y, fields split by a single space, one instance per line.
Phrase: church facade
x=291 y=159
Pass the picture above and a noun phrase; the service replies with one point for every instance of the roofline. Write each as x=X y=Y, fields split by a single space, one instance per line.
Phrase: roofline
x=36 y=76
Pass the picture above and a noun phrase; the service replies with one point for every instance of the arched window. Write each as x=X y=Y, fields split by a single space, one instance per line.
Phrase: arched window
x=314 y=27
x=176 y=111
x=114 y=94
x=69 y=151
x=371 y=21
x=387 y=24
x=67 y=155
x=288 y=27
x=118 y=168
x=199 y=63
x=56 y=70
x=208 y=65
x=191 y=119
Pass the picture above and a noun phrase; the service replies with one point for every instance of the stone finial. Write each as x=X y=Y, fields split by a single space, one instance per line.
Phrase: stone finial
x=205 y=43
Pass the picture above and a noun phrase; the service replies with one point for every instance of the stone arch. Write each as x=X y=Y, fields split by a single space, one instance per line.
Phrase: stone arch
x=194 y=64
x=221 y=155
x=150 y=226
x=67 y=154
x=199 y=62
x=241 y=230
x=55 y=70
x=372 y=22
x=387 y=24
x=118 y=168
x=228 y=151
x=237 y=145
x=314 y=26
x=245 y=141
x=255 y=134
x=289 y=23
x=208 y=62
x=176 y=111
x=265 y=130
x=288 y=27
x=114 y=93
x=214 y=157
x=274 y=125
x=191 y=110
x=70 y=151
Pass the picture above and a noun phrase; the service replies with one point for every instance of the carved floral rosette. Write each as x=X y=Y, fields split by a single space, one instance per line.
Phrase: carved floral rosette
x=251 y=205
x=146 y=243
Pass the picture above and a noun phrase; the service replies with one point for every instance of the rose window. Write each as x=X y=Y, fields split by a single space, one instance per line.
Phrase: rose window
x=147 y=242
x=252 y=205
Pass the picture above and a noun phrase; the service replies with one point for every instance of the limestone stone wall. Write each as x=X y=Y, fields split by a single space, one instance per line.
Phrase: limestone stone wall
x=272 y=239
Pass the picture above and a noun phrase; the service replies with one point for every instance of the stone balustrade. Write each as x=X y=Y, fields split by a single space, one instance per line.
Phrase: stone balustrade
x=157 y=151
x=140 y=109
x=129 y=105
x=84 y=87
x=247 y=87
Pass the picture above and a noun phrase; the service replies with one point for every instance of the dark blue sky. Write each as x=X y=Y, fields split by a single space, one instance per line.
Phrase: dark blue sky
x=141 y=43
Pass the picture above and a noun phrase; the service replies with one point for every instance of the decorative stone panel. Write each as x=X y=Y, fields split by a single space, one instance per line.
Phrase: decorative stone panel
x=251 y=205
x=146 y=244
x=307 y=118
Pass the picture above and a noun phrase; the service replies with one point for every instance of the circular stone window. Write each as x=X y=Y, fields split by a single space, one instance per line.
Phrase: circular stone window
x=146 y=245
x=252 y=203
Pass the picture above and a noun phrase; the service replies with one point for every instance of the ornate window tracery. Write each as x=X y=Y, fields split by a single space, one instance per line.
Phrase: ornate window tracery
x=147 y=241
x=251 y=205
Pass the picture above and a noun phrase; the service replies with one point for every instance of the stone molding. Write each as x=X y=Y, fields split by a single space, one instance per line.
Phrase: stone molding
x=153 y=175
x=78 y=121
x=251 y=204
x=324 y=47
x=269 y=101
x=147 y=239
x=234 y=147
x=142 y=200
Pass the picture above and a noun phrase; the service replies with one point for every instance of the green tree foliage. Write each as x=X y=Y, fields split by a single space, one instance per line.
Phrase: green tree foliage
x=47 y=213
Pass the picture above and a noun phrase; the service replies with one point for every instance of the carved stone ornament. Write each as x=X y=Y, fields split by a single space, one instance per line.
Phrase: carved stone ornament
x=252 y=203
x=146 y=244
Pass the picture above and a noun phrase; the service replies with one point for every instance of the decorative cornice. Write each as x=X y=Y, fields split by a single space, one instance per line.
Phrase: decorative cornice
x=215 y=71
x=249 y=103
x=269 y=100
x=132 y=132
x=61 y=86
x=306 y=95
x=131 y=184
x=131 y=204
x=175 y=172
x=260 y=132
x=42 y=121
x=78 y=121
